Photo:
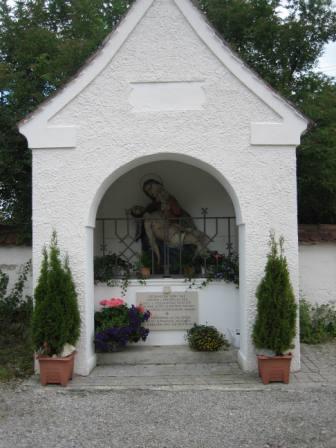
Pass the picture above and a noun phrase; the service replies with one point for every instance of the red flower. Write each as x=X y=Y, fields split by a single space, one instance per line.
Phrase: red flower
x=112 y=303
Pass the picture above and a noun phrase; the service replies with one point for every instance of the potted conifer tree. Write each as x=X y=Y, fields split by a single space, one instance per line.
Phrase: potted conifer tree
x=275 y=325
x=56 y=320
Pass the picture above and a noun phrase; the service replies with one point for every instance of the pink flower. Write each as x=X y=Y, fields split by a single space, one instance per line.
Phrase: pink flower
x=112 y=303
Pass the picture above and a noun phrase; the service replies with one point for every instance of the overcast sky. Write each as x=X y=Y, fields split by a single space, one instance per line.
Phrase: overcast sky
x=328 y=60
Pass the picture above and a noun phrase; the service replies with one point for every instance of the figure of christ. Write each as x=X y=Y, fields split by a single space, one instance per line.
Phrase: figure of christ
x=165 y=221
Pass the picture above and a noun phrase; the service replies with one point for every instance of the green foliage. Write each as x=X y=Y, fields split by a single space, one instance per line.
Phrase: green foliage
x=108 y=267
x=206 y=338
x=317 y=322
x=285 y=50
x=16 y=352
x=14 y=306
x=117 y=324
x=274 y=328
x=144 y=260
x=317 y=154
x=56 y=318
x=42 y=44
x=111 y=317
x=281 y=48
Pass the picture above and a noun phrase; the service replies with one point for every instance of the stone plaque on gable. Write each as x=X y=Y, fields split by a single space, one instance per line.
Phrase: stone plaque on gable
x=170 y=311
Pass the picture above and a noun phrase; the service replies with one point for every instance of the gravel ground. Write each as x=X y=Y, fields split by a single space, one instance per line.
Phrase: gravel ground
x=270 y=418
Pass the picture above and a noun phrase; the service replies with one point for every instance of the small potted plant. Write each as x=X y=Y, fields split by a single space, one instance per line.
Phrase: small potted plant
x=206 y=338
x=56 y=319
x=144 y=264
x=118 y=324
x=275 y=325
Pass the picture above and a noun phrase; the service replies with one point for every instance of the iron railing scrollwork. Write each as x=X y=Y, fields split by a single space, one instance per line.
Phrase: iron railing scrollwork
x=171 y=246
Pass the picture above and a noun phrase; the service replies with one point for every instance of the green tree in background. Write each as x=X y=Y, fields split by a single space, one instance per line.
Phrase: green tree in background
x=44 y=42
x=317 y=154
x=284 y=49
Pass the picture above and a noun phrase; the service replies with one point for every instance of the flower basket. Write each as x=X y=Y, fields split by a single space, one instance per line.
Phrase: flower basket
x=117 y=324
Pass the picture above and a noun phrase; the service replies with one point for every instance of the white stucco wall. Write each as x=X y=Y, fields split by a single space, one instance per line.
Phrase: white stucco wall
x=12 y=260
x=117 y=132
x=318 y=272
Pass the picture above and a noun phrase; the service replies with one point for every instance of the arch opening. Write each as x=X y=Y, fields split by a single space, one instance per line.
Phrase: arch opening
x=209 y=210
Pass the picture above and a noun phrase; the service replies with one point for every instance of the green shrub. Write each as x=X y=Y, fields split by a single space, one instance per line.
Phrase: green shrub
x=206 y=338
x=275 y=325
x=56 y=320
x=16 y=351
x=317 y=322
x=14 y=306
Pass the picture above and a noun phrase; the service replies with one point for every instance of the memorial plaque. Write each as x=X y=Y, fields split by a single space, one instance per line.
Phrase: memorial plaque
x=170 y=311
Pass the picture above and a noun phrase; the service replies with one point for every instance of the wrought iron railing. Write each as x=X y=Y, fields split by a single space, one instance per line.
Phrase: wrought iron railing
x=172 y=247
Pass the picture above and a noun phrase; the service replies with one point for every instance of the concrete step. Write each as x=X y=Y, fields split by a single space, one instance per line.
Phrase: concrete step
x=163 y=355
x=166 y=370
x=95 y=381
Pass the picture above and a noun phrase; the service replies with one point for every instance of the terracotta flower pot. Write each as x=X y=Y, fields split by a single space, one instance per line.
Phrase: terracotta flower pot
x=56 y=370
x=274 y=368
x=188 y=271
x=145 y=272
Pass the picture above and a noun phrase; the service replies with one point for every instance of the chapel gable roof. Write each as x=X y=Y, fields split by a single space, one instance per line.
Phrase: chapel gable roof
x=40 y=134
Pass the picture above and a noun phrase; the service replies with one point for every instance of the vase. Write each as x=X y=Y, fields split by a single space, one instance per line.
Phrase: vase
x=56 y=370
x=274 y=368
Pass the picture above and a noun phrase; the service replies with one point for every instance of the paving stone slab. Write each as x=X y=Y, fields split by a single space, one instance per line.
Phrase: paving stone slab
x=178 y=367
x=127 y=370
x=172 y=354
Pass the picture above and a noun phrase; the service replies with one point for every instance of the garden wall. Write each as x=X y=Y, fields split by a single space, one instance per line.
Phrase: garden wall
x=12 y=258
x=317 y=263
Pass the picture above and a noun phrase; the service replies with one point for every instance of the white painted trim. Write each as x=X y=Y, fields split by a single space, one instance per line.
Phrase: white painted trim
x=242 y=361
x=285 y=132
x=161 y=282
x=89 y=366
x=58 y=136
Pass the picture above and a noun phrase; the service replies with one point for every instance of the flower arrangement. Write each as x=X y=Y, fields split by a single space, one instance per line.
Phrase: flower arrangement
x=215 y=267
x=118 y=324
x=206 y=338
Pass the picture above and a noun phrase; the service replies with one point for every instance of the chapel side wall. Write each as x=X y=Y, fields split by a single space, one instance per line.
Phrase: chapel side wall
x=271 y=205
x=58 y=206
